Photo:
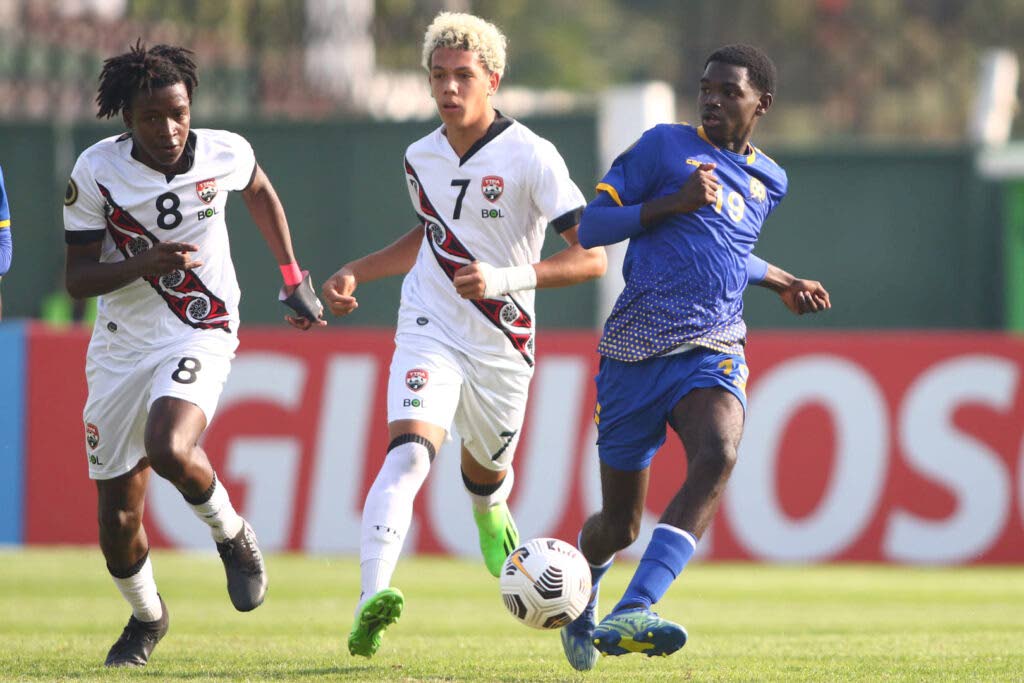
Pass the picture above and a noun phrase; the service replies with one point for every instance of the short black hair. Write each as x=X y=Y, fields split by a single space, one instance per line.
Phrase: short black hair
x=760 y=68
x=142 y=69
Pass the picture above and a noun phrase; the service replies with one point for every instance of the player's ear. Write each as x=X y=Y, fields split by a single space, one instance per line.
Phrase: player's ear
x=764 y=103
x=126 y=116
x=494 y=80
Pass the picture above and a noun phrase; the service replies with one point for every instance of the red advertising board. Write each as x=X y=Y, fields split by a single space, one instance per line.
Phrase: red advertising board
x=901 y=447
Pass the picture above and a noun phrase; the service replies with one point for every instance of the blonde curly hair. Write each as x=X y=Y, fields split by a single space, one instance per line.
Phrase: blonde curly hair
x=466 y=32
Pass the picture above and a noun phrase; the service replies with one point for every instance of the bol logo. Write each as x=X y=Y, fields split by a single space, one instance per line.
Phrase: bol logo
x=492 y=186
x=207 y=189
x=416 y=379
x=491 y=213
x=207 y=213
x=92 y=435
x=413 y=403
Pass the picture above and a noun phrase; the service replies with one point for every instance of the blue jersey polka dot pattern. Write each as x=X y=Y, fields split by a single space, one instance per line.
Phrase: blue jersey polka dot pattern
x=685 y=276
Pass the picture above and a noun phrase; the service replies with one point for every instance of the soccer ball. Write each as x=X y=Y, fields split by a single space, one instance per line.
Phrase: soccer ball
x=545 y=583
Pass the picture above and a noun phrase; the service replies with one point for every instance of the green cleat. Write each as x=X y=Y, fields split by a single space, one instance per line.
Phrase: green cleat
x=638 y=630
x=380 y=611
x=498 y=536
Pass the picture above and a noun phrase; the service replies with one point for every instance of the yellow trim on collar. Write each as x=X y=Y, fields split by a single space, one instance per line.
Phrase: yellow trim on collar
x=704 y=136
x=5 y=223
x=605 y=187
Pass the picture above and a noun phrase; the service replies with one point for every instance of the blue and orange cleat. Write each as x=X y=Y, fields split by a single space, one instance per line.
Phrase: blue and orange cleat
x=638 y=630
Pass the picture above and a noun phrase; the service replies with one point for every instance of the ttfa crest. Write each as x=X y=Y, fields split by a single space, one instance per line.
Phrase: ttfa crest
x=492 y=187
x=207 y=189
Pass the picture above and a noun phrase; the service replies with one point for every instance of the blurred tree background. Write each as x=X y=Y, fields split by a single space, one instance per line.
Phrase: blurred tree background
x=879 y=70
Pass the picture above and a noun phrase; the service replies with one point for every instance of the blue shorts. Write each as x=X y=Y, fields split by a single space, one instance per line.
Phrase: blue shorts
x=635 y=400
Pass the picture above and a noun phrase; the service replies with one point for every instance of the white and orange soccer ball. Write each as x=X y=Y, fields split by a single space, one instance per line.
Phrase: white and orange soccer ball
x=545 y=583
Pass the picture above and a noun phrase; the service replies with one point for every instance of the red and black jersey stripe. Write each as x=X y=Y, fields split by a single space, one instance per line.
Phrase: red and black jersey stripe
x=505 y=313
x=183 y=290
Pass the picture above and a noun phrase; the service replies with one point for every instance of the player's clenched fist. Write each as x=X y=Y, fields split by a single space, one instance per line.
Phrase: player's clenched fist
x=480 y=280
x=166 y=257
x=471 y=281
x=337 y=292
x=806 y=296
x=699 y=190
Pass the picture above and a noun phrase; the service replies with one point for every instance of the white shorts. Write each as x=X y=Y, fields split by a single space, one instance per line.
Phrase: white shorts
x=485 y=398
x=124 y=383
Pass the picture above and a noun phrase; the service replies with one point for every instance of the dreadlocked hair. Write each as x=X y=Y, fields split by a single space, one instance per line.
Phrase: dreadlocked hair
x=142 y=69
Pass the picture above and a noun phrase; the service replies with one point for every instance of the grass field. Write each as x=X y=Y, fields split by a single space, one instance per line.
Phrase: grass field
x=59 y=613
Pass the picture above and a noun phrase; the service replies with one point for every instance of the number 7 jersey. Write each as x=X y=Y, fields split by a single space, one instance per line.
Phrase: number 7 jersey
x=493 y=205
x=130 y=207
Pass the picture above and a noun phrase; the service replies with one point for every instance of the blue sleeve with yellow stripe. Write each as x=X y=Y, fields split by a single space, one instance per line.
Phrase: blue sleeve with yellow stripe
x=605 y=222
x=634 y=173
x=5 y=209
x=6 y=246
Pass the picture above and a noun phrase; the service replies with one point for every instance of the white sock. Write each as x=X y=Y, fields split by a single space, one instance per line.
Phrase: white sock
x=219 y=514
x=139 y=590
x=500 y=494
x=387 y=514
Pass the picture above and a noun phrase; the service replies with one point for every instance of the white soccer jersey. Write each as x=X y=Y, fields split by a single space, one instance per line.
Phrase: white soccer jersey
x=492 y=205
x=116 y=198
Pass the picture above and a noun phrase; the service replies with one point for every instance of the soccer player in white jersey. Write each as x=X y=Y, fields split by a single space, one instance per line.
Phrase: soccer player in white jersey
x=485 y=189
x=144 y=227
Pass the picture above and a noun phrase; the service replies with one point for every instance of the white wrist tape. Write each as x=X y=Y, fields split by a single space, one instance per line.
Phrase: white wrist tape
x=500 y=281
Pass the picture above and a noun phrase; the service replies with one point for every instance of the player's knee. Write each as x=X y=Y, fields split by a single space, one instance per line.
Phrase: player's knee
x=119 y=523
x=622 y=532
x=168 y=452
x=720 y=458
x=410 y=453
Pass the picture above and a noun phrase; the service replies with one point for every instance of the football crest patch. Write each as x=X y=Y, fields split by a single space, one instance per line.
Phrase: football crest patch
x=416 y=379
x=92 y=435
x=492 y=186
x=207 y=189
x=70 y=193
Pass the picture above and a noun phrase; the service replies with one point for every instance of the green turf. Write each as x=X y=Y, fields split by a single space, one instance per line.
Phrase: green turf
x=59 y=613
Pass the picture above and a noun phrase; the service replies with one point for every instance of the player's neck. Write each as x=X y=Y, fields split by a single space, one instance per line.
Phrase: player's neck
x=461 y=138
x=737 y=145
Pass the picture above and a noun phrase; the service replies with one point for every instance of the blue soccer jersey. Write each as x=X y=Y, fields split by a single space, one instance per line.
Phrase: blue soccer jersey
x=685 y=276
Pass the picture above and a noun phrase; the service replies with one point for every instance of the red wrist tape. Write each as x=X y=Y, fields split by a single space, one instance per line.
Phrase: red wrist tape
x=291 y=274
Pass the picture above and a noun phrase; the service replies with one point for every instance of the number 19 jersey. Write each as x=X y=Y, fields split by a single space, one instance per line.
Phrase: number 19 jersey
x=113 y=197
x=493 y=205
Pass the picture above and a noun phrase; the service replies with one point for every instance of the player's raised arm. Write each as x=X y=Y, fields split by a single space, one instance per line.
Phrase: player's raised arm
x=268 y=213
x=395 y=259
x=611 y=217
x=799 y=295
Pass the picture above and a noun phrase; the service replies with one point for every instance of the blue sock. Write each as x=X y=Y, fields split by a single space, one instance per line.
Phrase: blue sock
x=666 y=555
x=596 y=572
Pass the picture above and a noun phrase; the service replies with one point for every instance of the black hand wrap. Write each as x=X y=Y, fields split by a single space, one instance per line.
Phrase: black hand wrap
x=303 y=300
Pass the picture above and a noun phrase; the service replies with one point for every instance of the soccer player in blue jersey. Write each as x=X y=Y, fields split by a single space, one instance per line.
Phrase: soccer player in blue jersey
x=6 y=247
x=691 y=201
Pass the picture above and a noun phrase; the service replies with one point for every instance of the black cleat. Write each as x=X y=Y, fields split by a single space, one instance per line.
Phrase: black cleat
x=243 y=564
x=138 y=640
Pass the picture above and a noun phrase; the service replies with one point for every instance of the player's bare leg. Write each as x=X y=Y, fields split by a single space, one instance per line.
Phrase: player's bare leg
x=387 y=514
x=617 y=524
x=709 y=422
x=125 y=548
x=172 y=434
x=489 y=491
x=610 y=530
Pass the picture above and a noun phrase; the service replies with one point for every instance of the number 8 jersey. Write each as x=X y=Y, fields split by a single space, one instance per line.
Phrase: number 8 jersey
x=130 y=207
x=493 y=205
